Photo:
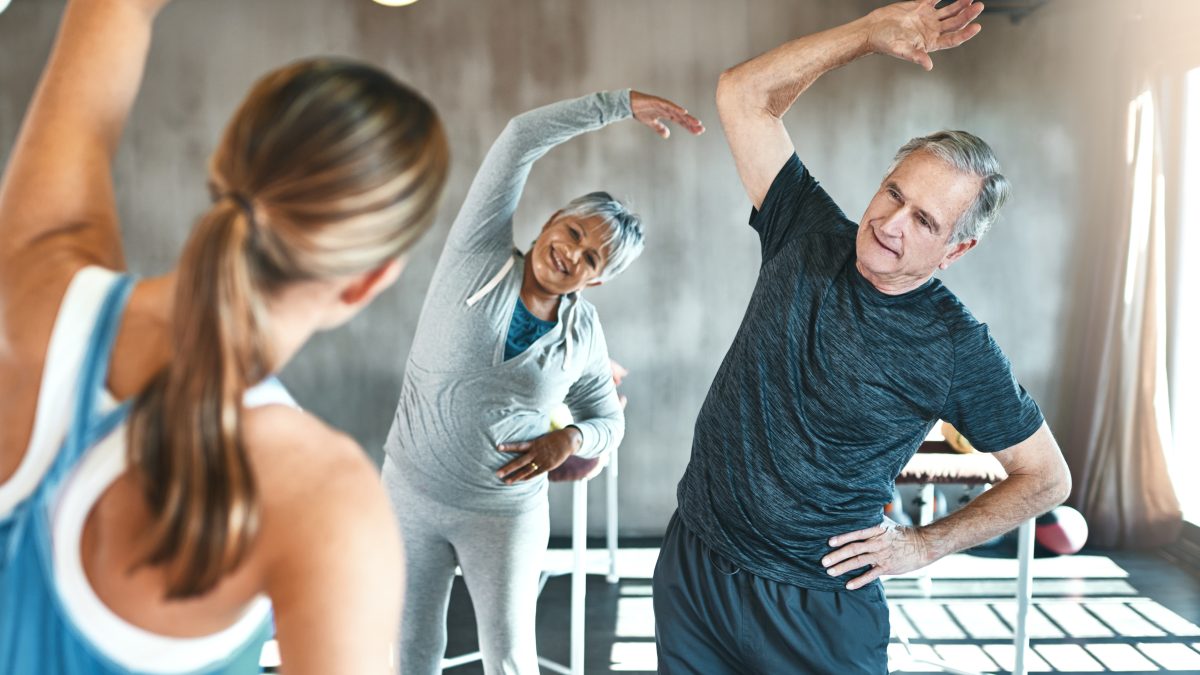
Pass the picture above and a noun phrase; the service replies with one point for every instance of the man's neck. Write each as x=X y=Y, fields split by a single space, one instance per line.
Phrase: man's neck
x=897 y=285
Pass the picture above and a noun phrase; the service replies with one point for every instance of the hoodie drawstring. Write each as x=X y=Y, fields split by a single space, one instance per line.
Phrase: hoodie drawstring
x=491 y=284
x=569 y=329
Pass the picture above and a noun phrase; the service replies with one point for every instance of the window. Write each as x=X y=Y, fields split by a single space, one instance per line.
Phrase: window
x=1185 y=464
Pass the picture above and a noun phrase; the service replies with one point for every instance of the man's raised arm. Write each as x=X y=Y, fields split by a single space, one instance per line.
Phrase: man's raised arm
x=752 y=97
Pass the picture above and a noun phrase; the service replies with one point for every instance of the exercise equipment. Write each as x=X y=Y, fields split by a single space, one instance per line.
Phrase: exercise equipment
x=1062 y=531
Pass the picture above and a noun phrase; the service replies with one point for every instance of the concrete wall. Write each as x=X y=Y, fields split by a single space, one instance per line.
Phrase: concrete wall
x=1039 y=96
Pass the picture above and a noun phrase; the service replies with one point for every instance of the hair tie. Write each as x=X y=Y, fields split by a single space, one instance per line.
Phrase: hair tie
x=244 y=204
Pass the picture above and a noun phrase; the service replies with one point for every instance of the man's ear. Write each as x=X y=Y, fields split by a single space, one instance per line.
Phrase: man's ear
x=372 y=282
x=957 y=252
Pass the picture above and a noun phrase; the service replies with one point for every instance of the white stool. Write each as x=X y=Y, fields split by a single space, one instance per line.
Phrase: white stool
x=936 y=462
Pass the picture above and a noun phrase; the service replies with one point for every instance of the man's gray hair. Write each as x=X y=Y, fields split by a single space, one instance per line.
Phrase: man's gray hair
x=968 y=154
x=623 y=239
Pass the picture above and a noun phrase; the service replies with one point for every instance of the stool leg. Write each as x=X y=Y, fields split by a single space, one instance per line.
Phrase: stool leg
x=1024 y=594
x=578 y=576
x=611 y=504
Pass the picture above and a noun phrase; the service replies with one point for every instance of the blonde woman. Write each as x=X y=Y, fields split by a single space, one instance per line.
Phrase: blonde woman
x=155 y=504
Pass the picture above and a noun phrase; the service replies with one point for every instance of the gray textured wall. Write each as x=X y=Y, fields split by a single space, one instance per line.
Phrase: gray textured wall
x=1034 y=92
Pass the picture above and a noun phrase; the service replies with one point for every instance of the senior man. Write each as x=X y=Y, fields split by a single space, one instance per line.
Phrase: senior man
x=848 y=353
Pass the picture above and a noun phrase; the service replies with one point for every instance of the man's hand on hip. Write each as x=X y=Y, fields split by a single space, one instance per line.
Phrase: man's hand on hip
x=887 y=548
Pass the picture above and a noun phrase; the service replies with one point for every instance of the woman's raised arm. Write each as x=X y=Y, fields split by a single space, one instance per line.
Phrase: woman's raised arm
x=56 y=196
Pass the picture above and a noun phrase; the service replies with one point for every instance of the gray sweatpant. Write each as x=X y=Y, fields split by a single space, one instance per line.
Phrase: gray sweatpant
x=501 y=560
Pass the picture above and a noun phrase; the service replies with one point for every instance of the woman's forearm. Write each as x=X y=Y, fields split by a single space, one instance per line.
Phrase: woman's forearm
x=486 y=214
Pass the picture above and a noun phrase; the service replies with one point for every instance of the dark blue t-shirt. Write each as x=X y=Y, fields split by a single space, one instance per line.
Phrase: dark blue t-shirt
x=827 y=391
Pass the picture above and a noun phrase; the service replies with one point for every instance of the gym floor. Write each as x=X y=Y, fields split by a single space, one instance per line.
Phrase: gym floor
x=1093 y=612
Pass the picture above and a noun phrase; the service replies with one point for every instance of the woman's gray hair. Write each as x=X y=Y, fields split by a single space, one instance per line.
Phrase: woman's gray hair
x=968 y=154
x=623 y=240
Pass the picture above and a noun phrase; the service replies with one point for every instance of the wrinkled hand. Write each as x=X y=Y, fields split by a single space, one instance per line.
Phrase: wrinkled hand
x=887 y=548
x=912 y=30
x=652 y=110
x=542 y=454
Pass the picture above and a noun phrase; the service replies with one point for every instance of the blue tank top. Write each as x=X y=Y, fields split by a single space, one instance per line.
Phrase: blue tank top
x=523 y=330
x=38 y=634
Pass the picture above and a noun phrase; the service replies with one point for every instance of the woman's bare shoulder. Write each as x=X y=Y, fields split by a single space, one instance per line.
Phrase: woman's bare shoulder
x=319 y=491
x=330 y=547
x=298 y=459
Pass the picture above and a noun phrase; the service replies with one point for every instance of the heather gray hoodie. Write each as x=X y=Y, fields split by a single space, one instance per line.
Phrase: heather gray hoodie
x=459 y=397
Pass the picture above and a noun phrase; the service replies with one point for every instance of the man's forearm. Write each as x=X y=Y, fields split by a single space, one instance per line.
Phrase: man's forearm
x=998 y=510
x=772 y=81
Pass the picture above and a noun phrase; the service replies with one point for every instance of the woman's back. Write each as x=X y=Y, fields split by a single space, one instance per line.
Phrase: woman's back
x=95 y=526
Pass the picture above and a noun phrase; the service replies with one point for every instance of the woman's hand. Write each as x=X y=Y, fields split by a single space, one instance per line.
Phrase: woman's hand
x=540 y=455
x=652 y=111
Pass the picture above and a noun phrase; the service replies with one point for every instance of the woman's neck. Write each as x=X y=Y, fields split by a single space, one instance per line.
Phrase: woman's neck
x=541 y=303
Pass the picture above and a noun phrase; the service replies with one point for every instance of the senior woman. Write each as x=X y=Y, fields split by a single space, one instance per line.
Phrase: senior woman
x=502 y=338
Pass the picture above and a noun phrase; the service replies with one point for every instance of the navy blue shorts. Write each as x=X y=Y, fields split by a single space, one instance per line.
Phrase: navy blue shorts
x=711 y=617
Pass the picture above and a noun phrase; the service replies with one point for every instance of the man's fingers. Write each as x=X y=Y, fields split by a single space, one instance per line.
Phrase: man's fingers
x=514 y=447
x=955 y=24
x=859 y=535
x=860 y=581
x=960 y=20
x=955 y=39
x=844 y=553
x=867 y=547
x=953 y=9
x=852 y=564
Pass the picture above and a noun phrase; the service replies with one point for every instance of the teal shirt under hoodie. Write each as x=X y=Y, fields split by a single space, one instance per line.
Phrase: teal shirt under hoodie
x=459 y=397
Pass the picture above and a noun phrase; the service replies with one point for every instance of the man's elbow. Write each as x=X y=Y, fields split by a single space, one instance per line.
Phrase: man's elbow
x=1056 y=487
x=1062 y=485
x=734 y=92
x=727 y=86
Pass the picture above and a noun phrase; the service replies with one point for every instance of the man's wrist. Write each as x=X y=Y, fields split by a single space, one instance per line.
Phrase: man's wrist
x=929 y=544
x=863 y=28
